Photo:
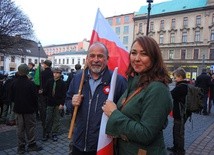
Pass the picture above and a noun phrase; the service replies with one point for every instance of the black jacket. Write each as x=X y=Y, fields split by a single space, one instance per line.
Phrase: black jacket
x=203 y=81
x=60 y=92
x=24 y=95
x=179 y=95
x=45 y=76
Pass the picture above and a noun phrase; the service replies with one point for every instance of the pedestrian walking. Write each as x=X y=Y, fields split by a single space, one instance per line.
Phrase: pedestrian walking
x=46 y=74
x=55 y=91
x=204 y=81
x=180 y=114
x=24 y=96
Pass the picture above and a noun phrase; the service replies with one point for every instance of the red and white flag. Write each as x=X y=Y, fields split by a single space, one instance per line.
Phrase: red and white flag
x=105 y=143
x=118 y=55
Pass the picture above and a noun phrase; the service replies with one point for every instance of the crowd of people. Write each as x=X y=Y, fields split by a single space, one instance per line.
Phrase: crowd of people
x=137 y=115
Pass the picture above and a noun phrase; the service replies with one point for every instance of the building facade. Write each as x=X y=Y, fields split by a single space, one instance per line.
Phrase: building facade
x=184 y=30
x=123 y=25
x=68 y=60
x=12 y=57
x=55 y=49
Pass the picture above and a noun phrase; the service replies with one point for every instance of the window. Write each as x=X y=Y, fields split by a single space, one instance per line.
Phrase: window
x=67 y=61
x=183 y=54
x=172 y=38
x=213 y=19
x=59 y=61
x=110 y=21
x=118 y=20
x=78 y=60
x=125 y=40
x=55 y=60
x=140 y=27
x=72 y=60
x=63 y=61
x=2 y=58
x=185 y=22
x=151 y=26
x=212 y=54
x=117 y=30
x=35 y=61
x=22 y=60
x=173 y=23
x=198 y=20
x=196 y=52
x=161 y=39
x=29 y=60
x=171 y=54
x=126 y=30
x=126 y=19
x=212 y=35
x=197 y=36
x=184 y=37
x=83 y=60
x=162 y=25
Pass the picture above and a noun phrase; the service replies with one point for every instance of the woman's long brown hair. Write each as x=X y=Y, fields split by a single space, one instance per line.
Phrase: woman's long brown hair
x=157 y=71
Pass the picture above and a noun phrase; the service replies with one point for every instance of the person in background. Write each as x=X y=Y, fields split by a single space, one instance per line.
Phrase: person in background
x=71 y=75
x=55 y=90
x=24 y=96
x=2 y=78
x=94 y=93
x=204 y=81
x=31 y=71
x=138 y=119
x=46 y=74
x=180 y=116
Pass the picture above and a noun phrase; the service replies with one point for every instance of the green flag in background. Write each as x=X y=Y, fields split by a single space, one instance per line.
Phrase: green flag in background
x=37 y=75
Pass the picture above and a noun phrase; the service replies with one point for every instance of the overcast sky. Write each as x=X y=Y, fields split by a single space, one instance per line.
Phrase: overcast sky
x=68 y=21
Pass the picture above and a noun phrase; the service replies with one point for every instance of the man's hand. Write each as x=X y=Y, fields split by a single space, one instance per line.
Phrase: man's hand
x=77 y=99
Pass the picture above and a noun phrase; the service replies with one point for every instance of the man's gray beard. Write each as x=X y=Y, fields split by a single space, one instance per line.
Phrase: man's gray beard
x=96 y=70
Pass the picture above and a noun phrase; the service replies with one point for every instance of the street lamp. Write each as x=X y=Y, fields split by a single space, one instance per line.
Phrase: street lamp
x=148 y=17
x=39 y=48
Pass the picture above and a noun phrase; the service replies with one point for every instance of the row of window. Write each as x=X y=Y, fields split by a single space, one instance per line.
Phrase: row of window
x=195 y=54
x=197 y=37
x=125 y=30
x=67 y=61
x=53 y=49
x=119 y=20
x=23 y=60
x=173 y=23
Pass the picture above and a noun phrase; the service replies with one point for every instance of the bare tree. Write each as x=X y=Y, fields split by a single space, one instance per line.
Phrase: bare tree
x=14 y=25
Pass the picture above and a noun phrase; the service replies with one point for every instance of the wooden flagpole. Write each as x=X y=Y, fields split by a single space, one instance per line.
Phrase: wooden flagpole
x=70 y=133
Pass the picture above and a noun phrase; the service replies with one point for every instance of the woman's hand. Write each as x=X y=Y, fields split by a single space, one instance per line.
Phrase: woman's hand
x=109 y=107
x=77 y=99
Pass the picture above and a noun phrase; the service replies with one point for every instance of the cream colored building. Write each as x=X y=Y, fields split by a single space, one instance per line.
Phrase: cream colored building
x=184 y=30
x=59 y=48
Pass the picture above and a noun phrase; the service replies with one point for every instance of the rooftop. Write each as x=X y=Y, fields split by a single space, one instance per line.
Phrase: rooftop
x=172 y=6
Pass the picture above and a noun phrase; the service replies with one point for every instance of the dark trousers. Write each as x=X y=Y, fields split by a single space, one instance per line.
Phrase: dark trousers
x=76 y=151
x=178 y=134
x=205 y=97
x=26 y=124
x=42 y=103
x=52 y=120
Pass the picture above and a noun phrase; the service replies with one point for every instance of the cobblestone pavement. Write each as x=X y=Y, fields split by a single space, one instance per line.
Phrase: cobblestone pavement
x=199 y=137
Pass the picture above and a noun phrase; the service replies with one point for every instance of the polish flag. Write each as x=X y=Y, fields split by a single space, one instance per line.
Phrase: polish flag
x=118 y=55
x=118 y=58
x=105 y=143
